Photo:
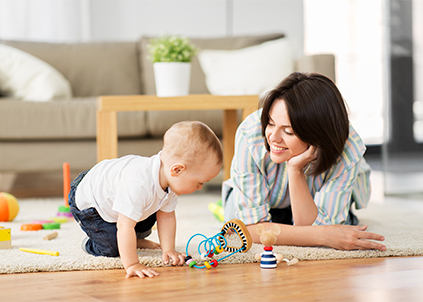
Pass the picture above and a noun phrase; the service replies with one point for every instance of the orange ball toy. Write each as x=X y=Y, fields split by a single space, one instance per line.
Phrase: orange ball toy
x=9 y=207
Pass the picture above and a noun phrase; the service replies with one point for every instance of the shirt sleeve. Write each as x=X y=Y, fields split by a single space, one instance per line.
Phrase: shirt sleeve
x=170 y=205
x=333 y=200
x=347 y=181
x=248 y=183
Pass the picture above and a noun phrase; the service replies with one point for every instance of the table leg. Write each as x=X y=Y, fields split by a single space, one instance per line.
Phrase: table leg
x=247 y=111
x=230 y=124
x=106 y=135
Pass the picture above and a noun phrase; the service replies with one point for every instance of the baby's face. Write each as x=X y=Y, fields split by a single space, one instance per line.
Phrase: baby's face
x=193 y=178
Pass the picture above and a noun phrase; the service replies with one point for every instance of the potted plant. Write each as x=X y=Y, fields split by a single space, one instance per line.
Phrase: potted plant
x=171 y=57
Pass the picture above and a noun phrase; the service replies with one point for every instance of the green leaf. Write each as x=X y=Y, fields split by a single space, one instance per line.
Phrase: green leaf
x=171 y=49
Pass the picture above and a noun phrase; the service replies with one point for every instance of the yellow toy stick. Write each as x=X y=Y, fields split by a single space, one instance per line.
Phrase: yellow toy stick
x=37 y=251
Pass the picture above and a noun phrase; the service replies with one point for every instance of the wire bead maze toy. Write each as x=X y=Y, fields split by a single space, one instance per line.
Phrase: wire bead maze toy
x=217 y=244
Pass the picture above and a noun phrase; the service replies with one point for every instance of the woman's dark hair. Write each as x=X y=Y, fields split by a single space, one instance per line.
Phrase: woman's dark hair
x=317 y=112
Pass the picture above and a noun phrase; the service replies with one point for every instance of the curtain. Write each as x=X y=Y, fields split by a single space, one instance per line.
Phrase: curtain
x=45 y=20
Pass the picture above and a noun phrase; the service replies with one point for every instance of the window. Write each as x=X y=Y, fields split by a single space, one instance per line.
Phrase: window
x=353 y=31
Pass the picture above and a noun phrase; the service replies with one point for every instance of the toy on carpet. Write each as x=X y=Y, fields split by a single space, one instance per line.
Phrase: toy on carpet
x=50 y=236
x=9 y=207
x=31 y=227
x=5 y=238
x=51 y=226
x=64 y=210
x=59 y=219
x=218 y=243
x=268 y=259
x=38 y=251
x=217 y=210
x=42 y=221
x=36 y=226
x=66 y=182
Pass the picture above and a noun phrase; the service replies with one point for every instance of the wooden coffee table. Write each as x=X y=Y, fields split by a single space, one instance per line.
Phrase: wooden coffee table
x=108 y=106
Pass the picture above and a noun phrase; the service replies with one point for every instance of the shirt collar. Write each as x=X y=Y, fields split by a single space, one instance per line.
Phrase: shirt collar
x=156 y=176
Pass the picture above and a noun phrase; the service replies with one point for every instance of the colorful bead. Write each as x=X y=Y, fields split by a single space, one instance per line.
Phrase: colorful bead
x=206 y=264
x=214 y=262
x=188 y=261
x=187 y=258
x=192 y=263
x=219 y=249
x=211 y=254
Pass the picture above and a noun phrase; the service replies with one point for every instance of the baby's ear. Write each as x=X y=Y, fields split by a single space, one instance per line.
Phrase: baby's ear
x=259 y=229
x=177 y=169
x=276 y=229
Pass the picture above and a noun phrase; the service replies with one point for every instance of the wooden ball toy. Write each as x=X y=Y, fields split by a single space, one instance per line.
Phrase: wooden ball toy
x=9 y=207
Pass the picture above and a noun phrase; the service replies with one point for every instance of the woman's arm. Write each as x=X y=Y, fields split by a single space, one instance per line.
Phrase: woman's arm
x=341 y=237
x=304 y=210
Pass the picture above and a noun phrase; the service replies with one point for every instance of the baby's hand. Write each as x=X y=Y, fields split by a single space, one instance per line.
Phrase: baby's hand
x=177 y=258
x=141 y=271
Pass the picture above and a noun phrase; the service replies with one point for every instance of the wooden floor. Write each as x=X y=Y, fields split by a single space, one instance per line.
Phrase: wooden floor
x=371 y=279
x=378 y=279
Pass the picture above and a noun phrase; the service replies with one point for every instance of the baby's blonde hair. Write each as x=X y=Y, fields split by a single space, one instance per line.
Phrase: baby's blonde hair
x=193 y=142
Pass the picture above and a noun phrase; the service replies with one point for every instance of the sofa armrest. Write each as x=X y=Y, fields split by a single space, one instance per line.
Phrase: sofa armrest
x=321 y=63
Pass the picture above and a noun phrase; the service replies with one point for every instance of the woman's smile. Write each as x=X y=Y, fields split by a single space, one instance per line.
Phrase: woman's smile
x=277 y=149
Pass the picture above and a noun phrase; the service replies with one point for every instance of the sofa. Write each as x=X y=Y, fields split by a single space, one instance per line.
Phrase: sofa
x=38 y=136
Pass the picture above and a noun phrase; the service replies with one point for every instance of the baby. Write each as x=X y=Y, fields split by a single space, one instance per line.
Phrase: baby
x=118 y=201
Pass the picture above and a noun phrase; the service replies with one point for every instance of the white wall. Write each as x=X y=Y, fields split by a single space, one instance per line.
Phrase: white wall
x=110 y=20
x=129 y=19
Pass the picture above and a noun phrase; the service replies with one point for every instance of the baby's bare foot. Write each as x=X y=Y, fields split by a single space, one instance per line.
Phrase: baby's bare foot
x=147 y=244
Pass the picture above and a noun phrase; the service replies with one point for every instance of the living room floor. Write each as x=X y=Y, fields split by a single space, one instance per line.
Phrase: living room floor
x=369 y=279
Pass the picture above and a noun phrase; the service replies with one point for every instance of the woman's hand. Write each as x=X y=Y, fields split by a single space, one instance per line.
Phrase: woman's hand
x=346 y=237
x=299 y=161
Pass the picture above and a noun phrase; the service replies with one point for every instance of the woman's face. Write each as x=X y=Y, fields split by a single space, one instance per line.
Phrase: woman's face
x=284 y=144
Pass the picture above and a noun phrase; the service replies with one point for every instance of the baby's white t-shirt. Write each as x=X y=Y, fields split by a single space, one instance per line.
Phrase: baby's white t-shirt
x=128 y=185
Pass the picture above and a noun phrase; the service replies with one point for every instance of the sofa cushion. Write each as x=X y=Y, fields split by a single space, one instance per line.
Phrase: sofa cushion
x=60 y=119
x=93 y=69
x=26 y=77
x=247 y=71
x=42 y=156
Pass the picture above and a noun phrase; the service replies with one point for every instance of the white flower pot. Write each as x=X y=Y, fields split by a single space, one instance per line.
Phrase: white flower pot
x=172 y=78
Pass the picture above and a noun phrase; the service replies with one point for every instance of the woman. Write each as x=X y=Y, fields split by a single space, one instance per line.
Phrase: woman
x=299 y=161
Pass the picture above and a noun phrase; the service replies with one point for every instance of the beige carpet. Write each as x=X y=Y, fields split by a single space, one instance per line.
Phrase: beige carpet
x=403 y=231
